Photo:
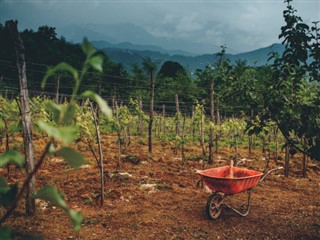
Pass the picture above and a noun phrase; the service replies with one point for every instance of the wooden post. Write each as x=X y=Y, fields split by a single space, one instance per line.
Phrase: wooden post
x=210 y=160
x=276 y=140
x=305 y=158
x=164 y=119
x=140 y=120
x=113 y=105
x=178 y=115
x=100 y=153
x=151 y=113
x=1 y=79
x=218 y=122
x=183 y=157
x=57 y=90
x=287 y=160
x=192 y=132
x=119 y=136
x=201 y=128
x=25 y=114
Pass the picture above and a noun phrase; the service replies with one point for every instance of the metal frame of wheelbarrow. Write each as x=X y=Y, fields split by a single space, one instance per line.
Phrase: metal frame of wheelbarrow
x=216 y=203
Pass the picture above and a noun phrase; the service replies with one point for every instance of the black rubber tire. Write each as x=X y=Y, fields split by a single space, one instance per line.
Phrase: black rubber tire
x=212 y=210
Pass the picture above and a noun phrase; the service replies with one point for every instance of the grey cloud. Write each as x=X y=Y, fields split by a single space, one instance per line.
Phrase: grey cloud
x=241 y=25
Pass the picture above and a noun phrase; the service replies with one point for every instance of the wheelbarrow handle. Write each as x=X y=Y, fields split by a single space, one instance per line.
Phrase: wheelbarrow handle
x=270 y=171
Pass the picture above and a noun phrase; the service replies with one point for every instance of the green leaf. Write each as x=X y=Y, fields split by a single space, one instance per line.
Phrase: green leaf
x=96 y=62
x=8 y=197
x=105 y=109
x=6 y=233
x=16 y=128
x=62 y=114
x=69 y=111
x=55 y=109
x=61 y=67
x=51 y=194
x=87 y=48
x=73 y=158
x=11 y=156
x=76 y=218
x=66 y=134
x=51 y=149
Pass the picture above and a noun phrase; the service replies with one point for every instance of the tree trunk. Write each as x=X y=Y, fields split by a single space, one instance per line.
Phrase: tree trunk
x=25 y=110
x=210 y=160
x=151 y=114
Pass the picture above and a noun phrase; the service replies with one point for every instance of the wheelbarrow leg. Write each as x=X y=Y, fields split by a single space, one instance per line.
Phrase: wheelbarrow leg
x=243 y=214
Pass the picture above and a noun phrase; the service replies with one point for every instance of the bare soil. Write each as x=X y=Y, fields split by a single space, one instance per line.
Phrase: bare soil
x=155 y=196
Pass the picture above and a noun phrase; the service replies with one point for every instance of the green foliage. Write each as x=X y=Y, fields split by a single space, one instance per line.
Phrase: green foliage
x=7 y=193
x=13 y=157
x=103 y=106
x=73 y=158
x=293 y=98
x=65 y=134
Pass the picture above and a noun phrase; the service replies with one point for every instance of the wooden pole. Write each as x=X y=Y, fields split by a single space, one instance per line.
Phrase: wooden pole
x=151 y=113
x=164 y=119
x=140 y=121
x=25 y=114
x=210 y=160
x=100 y=153
x=305 y=158
x=178 y=115
x=57 y=90
x=287 y=160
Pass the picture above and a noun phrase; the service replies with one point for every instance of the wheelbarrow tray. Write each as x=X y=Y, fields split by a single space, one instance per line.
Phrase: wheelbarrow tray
x=218 y=179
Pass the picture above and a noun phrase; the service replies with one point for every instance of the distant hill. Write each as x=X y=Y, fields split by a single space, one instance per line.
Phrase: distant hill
x=122 y=33
x=140 y=47
x=129 y=54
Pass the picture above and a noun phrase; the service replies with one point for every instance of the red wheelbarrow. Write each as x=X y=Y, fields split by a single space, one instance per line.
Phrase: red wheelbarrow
x=227 y=181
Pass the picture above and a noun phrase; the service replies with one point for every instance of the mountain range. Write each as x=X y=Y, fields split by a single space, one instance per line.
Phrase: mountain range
x=129 y=54
x=129 y=44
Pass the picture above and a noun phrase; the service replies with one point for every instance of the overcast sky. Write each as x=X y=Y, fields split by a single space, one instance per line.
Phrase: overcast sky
x=240 y=25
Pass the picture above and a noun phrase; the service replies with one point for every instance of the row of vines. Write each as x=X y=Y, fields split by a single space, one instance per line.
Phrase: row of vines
x=130 y=121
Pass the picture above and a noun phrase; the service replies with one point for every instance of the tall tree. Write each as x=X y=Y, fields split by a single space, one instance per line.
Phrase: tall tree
x=293 y=94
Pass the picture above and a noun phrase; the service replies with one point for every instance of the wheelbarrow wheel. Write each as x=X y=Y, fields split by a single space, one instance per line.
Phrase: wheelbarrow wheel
x=213 y=207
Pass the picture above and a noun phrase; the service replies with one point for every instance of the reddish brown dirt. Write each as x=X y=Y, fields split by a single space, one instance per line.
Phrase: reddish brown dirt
x=160 y=198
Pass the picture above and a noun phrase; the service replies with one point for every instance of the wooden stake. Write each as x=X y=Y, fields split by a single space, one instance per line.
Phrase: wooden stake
x=25 y=114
